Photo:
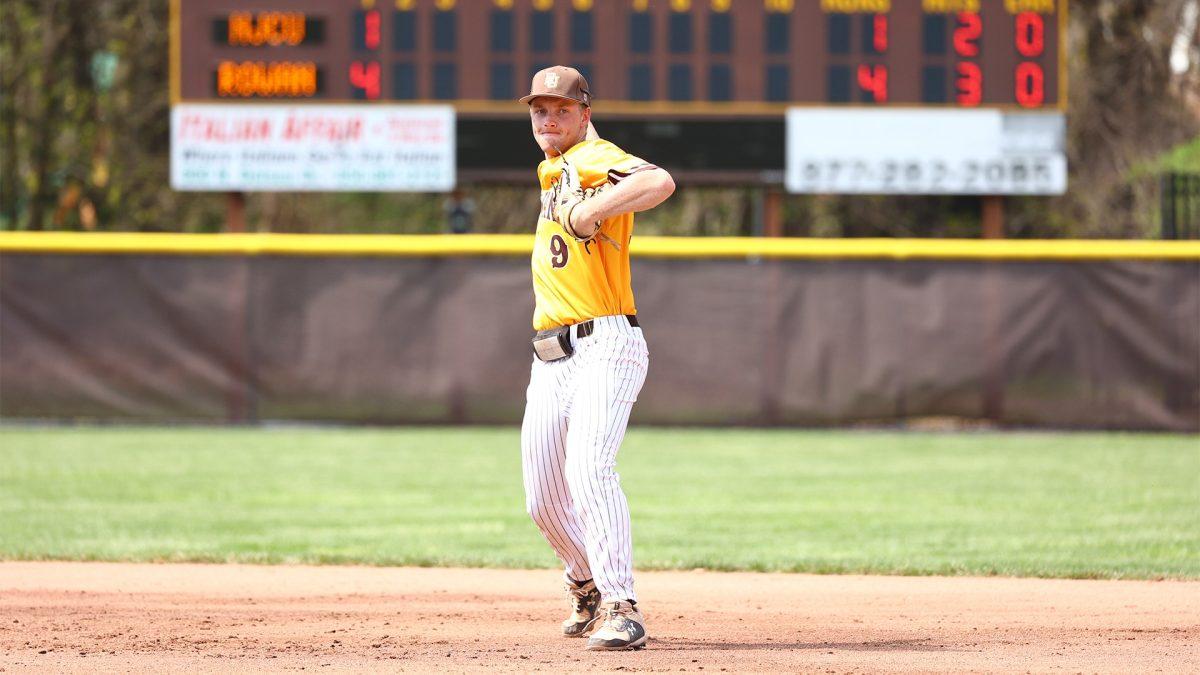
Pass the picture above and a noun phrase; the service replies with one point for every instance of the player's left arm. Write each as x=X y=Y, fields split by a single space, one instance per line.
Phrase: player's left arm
x=639 y=191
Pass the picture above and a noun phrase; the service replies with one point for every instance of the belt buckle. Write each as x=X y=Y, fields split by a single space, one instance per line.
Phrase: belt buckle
x=553 y=344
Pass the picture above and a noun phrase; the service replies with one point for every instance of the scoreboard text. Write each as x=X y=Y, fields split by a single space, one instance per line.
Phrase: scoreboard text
x=652 y=56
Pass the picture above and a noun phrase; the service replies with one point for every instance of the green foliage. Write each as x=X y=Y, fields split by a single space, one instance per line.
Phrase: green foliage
x=1056 y=505
x=1184 y=158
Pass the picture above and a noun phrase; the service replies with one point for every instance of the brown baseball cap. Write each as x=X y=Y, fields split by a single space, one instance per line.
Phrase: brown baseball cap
x=560 y=82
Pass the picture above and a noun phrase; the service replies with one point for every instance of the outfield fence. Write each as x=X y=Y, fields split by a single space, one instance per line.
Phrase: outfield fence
x=435 y=329
x=1179 y=214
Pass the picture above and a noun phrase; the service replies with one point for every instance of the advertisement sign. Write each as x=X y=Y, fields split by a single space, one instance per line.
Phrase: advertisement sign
x=242 y=147
x=981 y=152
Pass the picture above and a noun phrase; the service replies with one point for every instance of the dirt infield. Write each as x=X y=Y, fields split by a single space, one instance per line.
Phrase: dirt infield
x=127 y=617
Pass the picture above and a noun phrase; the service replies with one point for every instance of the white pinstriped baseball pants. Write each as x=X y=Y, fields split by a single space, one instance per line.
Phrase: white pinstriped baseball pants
x=576 y=412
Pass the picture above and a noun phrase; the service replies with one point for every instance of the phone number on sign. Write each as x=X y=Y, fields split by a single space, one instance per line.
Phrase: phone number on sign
x=1002 y=175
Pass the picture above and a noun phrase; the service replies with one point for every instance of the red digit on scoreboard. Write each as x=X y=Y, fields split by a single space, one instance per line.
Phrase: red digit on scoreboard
x=969 y=84
x=1030 y=34
x=1031 y=84
x=966 y=35
x=873 y=79
x=365 y=77
x=371 y=23
x=880 y=33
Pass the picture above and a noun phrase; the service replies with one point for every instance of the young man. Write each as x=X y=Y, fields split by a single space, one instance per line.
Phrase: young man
x=590 y=357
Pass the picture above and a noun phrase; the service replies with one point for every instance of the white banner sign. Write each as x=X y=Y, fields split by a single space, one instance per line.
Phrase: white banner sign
x=312 y=147
x=984 y=152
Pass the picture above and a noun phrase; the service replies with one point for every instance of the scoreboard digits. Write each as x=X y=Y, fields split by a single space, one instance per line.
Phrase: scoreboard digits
x=646 y=56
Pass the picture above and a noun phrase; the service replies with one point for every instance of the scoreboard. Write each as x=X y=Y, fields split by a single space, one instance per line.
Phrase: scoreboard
x=704 y=86
x=642 y=57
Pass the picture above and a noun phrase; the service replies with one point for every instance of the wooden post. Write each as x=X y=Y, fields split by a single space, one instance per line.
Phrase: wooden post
x=994 y=380
x=772 y=213
x=235 y=213
x=993 y=217
x=241 y=401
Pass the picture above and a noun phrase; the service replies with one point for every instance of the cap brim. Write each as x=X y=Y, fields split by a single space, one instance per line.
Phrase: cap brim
x=527 y=99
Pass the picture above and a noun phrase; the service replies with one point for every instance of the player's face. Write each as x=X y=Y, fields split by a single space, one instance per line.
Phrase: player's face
x=558 y=123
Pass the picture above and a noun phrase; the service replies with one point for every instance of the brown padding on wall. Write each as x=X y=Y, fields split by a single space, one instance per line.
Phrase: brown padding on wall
x=1056 y=344
x=116 y=337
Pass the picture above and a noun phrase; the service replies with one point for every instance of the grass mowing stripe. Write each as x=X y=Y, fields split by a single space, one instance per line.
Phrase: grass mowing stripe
x=1031 y=504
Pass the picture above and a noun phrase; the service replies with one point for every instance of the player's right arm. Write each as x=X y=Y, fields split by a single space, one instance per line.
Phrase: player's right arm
x=639 y=191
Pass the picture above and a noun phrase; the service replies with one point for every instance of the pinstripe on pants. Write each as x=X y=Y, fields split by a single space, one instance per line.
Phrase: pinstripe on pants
x=576 y=412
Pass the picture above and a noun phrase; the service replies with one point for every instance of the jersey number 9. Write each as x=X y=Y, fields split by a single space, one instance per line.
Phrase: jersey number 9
x=558 y=252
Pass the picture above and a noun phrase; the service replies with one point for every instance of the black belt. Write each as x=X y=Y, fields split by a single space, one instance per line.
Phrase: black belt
x=585 y=329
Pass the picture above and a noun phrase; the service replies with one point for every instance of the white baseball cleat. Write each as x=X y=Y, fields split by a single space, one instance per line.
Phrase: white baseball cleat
x=621 y=627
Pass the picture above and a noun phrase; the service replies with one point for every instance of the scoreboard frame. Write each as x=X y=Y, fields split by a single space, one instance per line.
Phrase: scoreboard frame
x=338 y=50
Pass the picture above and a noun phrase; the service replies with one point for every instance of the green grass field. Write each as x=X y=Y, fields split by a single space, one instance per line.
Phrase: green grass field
x=1029 y=504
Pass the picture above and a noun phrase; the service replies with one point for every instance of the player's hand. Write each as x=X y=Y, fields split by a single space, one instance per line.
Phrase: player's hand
x=569 y=194
x=569 y=211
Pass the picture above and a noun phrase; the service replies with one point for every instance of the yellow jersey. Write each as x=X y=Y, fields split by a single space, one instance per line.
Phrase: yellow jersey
x=576 y=281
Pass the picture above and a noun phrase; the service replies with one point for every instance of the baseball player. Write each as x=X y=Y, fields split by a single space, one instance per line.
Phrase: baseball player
x=590 y=357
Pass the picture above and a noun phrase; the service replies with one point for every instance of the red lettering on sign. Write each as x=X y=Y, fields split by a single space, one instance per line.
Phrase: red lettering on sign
x=317 y=127
x=200 y=127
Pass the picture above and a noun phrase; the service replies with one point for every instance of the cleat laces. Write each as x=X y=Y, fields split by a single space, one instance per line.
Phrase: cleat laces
x=617 y=617
x=578 y=597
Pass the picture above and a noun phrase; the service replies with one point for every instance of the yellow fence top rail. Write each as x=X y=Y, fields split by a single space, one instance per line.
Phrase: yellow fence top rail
x=132 y=243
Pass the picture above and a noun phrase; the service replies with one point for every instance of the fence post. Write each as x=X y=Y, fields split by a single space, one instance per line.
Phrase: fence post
x=1192 y=194
x=1166 y=188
